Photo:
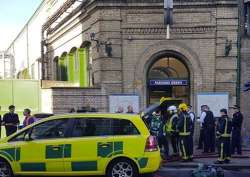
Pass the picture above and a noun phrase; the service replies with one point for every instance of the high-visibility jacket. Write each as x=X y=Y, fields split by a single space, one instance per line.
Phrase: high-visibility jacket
x=224 y=127
x=171 y=124
x=184 y=124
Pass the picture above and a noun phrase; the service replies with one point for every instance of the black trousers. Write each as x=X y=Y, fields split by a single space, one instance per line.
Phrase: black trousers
x=191 y=141
x=224 y=149
x=209 y=139
x=174 y=138
x=10 y=130
x=185 y=147
x=163 y=142
x=236 y=141
x=201 y=139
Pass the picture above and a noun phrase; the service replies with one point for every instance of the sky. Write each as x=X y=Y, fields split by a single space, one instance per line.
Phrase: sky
x=14 y=14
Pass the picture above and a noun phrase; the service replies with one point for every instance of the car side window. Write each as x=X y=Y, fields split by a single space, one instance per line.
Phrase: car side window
x=85 y=127
x=124 y=127
x=20 y=136
x=50 y=130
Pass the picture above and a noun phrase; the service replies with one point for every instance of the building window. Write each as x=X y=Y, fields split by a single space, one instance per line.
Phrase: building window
x=63 y=67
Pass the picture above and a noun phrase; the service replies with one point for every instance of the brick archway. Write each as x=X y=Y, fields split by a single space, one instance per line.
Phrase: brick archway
x=152 y=53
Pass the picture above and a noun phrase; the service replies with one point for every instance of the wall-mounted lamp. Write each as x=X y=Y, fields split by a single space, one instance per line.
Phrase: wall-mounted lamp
x=107 y=44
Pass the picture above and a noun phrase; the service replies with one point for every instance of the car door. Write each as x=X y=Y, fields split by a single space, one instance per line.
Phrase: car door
x=43 y=148
x=91 y=145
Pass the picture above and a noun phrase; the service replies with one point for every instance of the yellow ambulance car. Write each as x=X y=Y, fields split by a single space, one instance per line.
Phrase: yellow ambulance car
x=116 y=145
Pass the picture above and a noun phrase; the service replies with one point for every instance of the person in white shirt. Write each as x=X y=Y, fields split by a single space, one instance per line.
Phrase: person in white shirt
x=208 y=127
x=192 y=116
x=201 y=121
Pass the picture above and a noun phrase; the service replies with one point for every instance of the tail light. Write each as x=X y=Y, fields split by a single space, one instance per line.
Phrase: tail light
x=151 y=144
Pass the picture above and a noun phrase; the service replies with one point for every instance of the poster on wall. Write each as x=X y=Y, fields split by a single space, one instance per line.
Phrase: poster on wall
x=215 y=100
x=124 y=103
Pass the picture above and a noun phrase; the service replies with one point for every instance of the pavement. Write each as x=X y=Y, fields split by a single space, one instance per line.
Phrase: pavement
x=239 y=166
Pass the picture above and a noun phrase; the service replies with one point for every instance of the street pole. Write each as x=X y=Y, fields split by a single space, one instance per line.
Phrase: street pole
x=168 y=16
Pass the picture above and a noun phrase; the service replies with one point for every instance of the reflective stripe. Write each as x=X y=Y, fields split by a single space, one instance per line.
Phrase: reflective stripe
x=225 y=134
x=169 y=124
x=221 y=152
x=184 y=150
x=185 y=133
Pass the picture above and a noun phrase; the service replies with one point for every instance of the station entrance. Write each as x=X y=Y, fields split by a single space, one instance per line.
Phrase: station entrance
x=168 y=77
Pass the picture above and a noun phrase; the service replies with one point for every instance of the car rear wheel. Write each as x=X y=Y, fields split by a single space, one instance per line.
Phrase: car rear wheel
x=122 y=168
x=5 y=169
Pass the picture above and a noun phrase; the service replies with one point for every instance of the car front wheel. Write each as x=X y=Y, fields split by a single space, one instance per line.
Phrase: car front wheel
x=5 y=169
x=122 y=168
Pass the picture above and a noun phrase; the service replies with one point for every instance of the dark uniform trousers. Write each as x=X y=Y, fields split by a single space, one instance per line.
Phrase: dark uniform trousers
x=224 y=148
x=201 y=139
x=186 y=146
x=236 y=141
x=209 y=139
x=163 y=142
x=174 y=138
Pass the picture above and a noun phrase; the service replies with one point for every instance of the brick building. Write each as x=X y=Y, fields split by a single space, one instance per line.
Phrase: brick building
x=121 y=47
x=244 y=49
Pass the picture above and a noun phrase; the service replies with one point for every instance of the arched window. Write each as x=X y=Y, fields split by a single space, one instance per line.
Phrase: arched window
x=63 y=67
x=85 y=62
x=56 y=69
x=72 y=61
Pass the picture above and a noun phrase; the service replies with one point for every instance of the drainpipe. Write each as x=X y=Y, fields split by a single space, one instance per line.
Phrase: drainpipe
x=42 y=55
x=238 y=90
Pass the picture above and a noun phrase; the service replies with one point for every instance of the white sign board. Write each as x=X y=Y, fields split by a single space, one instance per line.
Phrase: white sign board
x=122 y=102
x=215 y=100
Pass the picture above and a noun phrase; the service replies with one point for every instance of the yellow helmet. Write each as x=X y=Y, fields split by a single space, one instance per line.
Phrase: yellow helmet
x=183 y=107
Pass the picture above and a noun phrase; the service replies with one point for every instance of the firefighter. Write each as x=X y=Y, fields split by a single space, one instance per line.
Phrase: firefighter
x=156 y=129
x=184 y=127
x=170 y=128
x=223 y=133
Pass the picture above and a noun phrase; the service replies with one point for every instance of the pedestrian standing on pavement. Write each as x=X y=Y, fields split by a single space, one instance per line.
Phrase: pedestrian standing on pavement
x=192 y=116
x=130 y=109
x=11 y=121
x=156 y=129
x=28 y=118
x=170 y=129
x=201 y=121
x=120 y=110
x=184 y=127
x=236 y=132
x=223 y=133
x=208 y=125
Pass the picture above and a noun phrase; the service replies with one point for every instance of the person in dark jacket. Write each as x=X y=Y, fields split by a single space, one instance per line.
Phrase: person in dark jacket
x=11 y=121
x=223 y=133
x=156 y=129
x=236 y=132
x=184 y=127
x=209 y=131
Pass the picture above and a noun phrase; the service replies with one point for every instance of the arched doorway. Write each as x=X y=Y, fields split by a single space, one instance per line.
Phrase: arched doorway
x=168 y=76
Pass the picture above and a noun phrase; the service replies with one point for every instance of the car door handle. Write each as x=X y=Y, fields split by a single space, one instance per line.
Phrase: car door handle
x=104 y=145
x=56 y=148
